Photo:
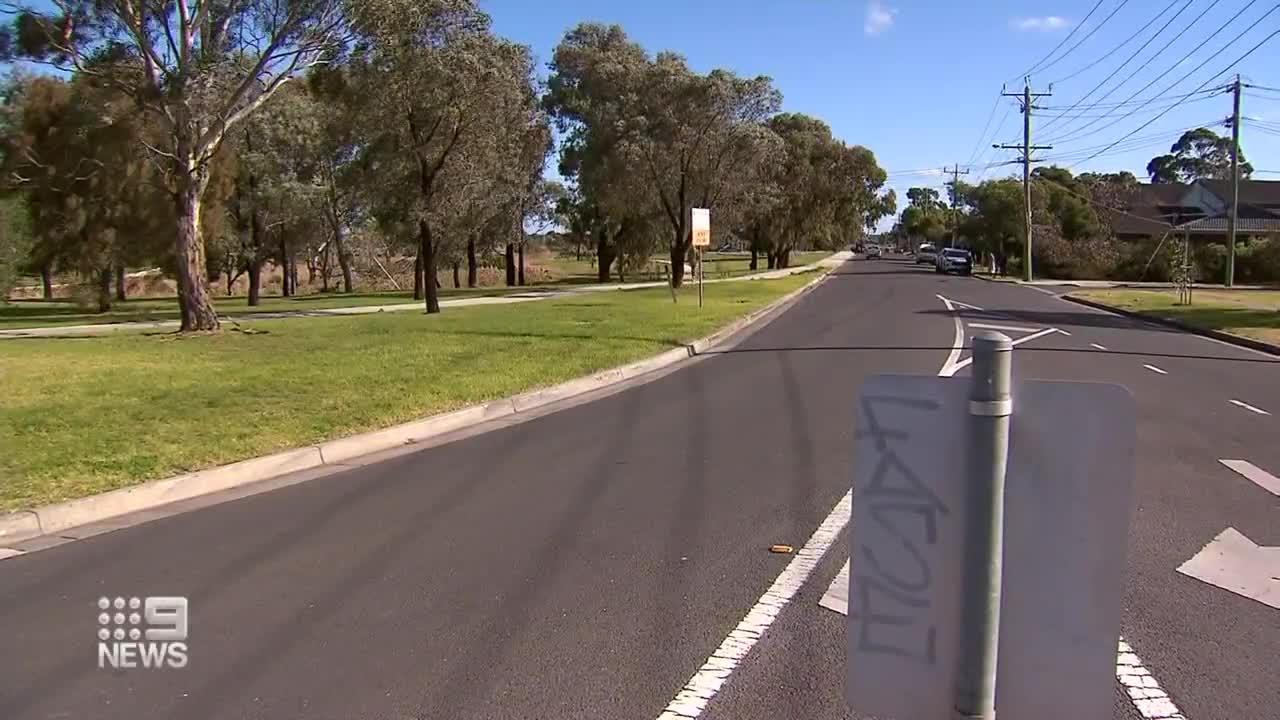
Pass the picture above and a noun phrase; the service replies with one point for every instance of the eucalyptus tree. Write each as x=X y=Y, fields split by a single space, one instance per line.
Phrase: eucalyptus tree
x=444 y=80
x=199 y=68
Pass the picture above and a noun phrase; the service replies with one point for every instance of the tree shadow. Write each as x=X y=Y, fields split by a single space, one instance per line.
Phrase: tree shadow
x=948 y=348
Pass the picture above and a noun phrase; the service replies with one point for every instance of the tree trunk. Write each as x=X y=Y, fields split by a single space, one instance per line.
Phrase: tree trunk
x=457 y=280
x=194 y=302
x=429 y=267
x=230 y=280
x=511 y=264
x=604 y=257
x=46 y=282
x=520 y=266
x=472 y=266
x=326 y=268
x=755 y=259
x=255 y=282
x=784 y=258
x=344 y=260
x=122 y=292
x=417 y=275
x=104 y=289
x=286 y=282
x=678 y=252
x=771 y=260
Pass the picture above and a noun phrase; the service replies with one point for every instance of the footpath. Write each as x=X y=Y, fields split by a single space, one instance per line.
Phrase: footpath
x=531 y=295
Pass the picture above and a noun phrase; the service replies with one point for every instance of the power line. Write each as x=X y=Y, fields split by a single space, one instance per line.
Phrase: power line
x=1117 y=112
x=1261 y=87
x=1055 y=49
x=1114 y=49
x=1095 y=29
x=1151 y=59
x=1213 y=77
x=983 y=136
x=987 y=152
x=1132 y=143
x=1112 y=105
x=1079 y=132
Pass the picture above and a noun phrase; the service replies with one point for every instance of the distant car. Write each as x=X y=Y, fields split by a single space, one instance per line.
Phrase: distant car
x=954 y=260
x=926 y=254
x=873 y=251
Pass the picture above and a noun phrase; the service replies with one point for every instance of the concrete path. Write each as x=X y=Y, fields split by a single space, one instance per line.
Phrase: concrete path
x=534 y=293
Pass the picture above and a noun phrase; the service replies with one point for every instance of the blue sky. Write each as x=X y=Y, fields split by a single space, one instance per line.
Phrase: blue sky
x=916 y=80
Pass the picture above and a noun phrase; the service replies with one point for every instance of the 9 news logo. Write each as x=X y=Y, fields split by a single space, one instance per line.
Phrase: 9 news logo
x=153 y=638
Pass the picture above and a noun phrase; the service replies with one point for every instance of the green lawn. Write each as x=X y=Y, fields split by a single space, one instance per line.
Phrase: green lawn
x=87 y=415
x=1251 y=313
x=40 y=313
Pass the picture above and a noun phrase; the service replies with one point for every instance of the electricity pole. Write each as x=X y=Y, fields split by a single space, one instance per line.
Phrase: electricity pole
x=1235 y=185
x=1026 y=96
x=955 y=197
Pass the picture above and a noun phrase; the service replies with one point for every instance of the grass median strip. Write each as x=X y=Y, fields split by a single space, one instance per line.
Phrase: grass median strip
x=1249 y=313
x=82 y=416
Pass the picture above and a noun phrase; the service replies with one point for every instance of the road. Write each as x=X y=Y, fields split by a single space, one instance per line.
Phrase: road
x=587 y=563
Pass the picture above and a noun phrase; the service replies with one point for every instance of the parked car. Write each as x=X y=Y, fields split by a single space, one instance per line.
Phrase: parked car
x=873 y=251
x=926 y=254
x=954 y=260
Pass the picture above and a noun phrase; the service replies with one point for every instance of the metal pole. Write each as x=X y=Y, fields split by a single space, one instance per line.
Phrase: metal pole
x=1026 y=181
x=990 y=406
x=700 y=275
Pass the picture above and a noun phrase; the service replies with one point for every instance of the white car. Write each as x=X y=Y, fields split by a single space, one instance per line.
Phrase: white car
x=873 y=251
x=926 y=254
x=954 y=260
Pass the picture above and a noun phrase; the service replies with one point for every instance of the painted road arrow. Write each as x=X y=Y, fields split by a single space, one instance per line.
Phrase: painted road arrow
x=1234 y=562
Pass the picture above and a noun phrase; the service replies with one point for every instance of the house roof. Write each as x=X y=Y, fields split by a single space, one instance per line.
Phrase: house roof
x=1244 y=225
x=1257 y=192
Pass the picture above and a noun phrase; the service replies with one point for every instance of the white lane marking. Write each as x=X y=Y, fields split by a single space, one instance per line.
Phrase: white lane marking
x=692 y=700
x=1142 y=688
x=1028 y=338
x=967 y=305
x=1235 y=563
x=1064 y=332
x=1249 y=407
x=1261 y=477
x=837 y=595
x=1009 y=328
x=1155 y=369
x=1096 y=346
x=949 y=366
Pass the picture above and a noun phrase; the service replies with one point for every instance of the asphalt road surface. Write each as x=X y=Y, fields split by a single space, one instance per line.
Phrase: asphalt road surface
x=587 y=563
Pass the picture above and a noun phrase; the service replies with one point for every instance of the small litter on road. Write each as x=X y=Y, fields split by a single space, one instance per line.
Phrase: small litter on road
x=782 y=549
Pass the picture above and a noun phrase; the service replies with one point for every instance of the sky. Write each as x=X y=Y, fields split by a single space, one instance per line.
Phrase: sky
x=918 y=81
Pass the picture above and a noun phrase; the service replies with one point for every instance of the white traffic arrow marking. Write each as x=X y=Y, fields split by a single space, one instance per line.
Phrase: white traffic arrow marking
x=1234 y=562
x=1264 y=479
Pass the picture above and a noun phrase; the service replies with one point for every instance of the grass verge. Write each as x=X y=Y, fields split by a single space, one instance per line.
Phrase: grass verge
x=1248 y=313
x=82 y=416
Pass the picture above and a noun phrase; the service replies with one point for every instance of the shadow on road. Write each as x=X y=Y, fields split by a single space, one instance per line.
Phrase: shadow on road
x=1054 y=318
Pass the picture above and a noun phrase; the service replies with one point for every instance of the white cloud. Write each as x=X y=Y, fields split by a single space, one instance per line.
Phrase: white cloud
x=879 y=18
x=1048 y=23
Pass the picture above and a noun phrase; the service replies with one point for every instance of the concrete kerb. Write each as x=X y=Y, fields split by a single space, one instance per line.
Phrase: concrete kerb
x=1259 y=345
x=51 y=519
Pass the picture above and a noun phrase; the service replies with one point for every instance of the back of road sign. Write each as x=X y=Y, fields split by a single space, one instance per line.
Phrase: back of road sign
x=1067 y=498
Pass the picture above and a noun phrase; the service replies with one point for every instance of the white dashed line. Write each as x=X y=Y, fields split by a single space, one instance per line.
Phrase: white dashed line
x=692 y=700
x=1155 y=369
x=1249 y=407
x=1260 y=477
x=1096 y=346
x=1142 y=688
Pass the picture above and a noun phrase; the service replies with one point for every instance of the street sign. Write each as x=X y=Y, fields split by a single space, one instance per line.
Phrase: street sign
x=1066 y=512
x=701 y=223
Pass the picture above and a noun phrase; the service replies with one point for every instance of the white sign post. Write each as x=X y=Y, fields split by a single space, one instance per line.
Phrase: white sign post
x=701 y=225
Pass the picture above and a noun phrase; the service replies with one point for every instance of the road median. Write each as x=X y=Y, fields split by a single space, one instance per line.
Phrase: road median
x=627 y=328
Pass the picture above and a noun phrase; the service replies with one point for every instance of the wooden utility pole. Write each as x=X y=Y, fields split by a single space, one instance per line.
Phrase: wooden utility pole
x=1235 y=185
x=956 y=172
x=1026 y=97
